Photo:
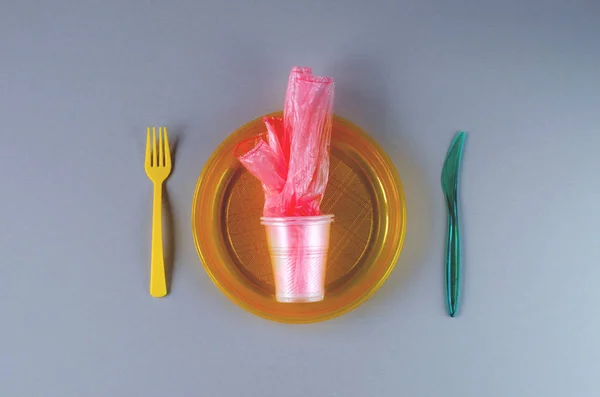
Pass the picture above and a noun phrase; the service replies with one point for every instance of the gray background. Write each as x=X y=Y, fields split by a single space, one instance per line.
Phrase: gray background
x=80 y=81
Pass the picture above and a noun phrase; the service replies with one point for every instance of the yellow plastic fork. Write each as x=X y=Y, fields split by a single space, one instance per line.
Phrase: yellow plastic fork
x=158 y=168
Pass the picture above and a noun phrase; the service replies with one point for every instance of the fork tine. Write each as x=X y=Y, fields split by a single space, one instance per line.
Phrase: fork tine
x=154 y=154
x=167 y=150
x=148 y=152
x=161 y=149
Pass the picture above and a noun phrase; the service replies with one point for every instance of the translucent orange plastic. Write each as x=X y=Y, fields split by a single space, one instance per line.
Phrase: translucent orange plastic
x=365 y=194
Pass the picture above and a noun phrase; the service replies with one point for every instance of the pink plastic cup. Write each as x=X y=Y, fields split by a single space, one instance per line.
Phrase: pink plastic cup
x=298 y=247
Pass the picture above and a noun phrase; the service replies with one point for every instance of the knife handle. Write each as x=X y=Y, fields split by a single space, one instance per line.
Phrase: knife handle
x=453 y=259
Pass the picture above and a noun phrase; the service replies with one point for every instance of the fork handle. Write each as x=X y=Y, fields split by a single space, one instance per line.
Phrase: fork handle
x=158 y=279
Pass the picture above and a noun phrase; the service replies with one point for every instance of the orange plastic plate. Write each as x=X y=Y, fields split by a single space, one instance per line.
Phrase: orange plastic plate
x=364 y=193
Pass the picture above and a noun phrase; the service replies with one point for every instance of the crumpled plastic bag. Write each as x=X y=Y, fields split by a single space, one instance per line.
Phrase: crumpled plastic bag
x=291 y=159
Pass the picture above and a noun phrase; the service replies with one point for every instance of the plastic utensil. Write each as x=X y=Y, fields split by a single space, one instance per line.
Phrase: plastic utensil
x=450 y=179
x=158 y=168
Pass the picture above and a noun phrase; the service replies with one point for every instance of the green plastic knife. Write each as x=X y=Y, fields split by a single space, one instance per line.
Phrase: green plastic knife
x=450 y=178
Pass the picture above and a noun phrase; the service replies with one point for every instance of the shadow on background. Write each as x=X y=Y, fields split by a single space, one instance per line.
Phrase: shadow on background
x=363 y=97
x=169 y=221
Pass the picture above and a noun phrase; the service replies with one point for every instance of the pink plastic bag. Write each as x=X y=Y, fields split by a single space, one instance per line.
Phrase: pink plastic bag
x=291 y=159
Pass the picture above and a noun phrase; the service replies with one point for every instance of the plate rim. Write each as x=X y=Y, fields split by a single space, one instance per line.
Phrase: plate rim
x=340 y=310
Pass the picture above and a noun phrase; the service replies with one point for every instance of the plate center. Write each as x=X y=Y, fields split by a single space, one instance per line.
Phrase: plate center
x=348 y=196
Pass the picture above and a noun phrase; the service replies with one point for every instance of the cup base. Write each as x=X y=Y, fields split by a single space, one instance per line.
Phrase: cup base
x=300 y=299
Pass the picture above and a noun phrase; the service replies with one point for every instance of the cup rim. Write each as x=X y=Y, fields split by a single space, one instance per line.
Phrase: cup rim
x=296 y=220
